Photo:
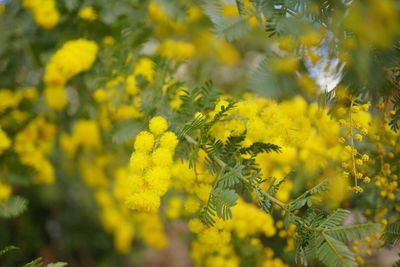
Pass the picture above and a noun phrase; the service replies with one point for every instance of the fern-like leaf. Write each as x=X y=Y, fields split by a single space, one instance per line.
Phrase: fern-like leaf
x=231 y=177
x=13 y=207
x=232 y=27
x=334 y=219
x=260 y=147
x=125 y=130
x=349 y=233
x=391 y=236
x=224 y=200
x=334 y=253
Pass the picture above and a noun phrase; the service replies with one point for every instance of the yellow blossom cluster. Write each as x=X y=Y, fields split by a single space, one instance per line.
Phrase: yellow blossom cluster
x=87 y=13
x=72 y=58
x=150 y=166
x=45 y=12
x=115 y=221
x=5 y=141
x=85 y=134
x=177 y=50
x=366 y=247
x=125 y=91
x=230 y=10
x=306 y=133
x=214 y=246
x=271 y=260
x=355 y=124
x=33 y=144
x=11 y=99
x=199 y=42
x=5 y=191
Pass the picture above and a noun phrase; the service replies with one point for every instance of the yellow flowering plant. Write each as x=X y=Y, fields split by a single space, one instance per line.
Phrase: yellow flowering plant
x=199 y=133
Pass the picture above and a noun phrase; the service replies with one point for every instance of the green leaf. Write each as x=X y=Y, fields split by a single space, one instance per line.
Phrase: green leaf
x=57 y=264
x=125 y=130
x=260 y=147
x=319 y=188
x=334 y=253
x=335 y=218
x=13 y=207
x=35 y=263
x=305 y=198
x=232 y=176
x=349 y=233
x=7 y=249
x=232 y=27
x=224 y=200
x=391 y=236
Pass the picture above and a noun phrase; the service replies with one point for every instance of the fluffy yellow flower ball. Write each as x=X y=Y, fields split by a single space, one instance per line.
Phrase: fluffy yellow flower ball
x=139 y=162
x=144 y=142
x=169 y=141
x=144 y=201
x=158 y=125
x=87 y=13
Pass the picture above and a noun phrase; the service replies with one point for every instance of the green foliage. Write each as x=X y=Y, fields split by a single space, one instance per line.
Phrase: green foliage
x=125 y=130
x=279 y=86
x=334 y=253
x=39 y=263
x=394 y=121
x=219 y=204
x=391 y=236
x=13 y=207
x=334 y=219
x=231 y=177
x=260 y=147
x=348 y=233
x=7 y=249
x=322 y=238
x=305 y=198
x=231 y=28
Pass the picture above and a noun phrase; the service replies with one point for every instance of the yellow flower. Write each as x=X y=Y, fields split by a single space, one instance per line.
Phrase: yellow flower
x=158 y=125
x=72 y=58
x=174 y=208
x=55 y=97
x=87 y=134
x=145 y=68
x=108 y=40
x=177 y=50
x=123 y=237
x=5 y=191
x=2 y=9
x=127 y=112
x=144 y=142
x=169 y=141
x=162 y=157
x=44 y=12
x=5 y=142
x=143 y=201
x=8 y=99
x=131 y=86
x=285 y=65
x=139 y=162
x=87 y=13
